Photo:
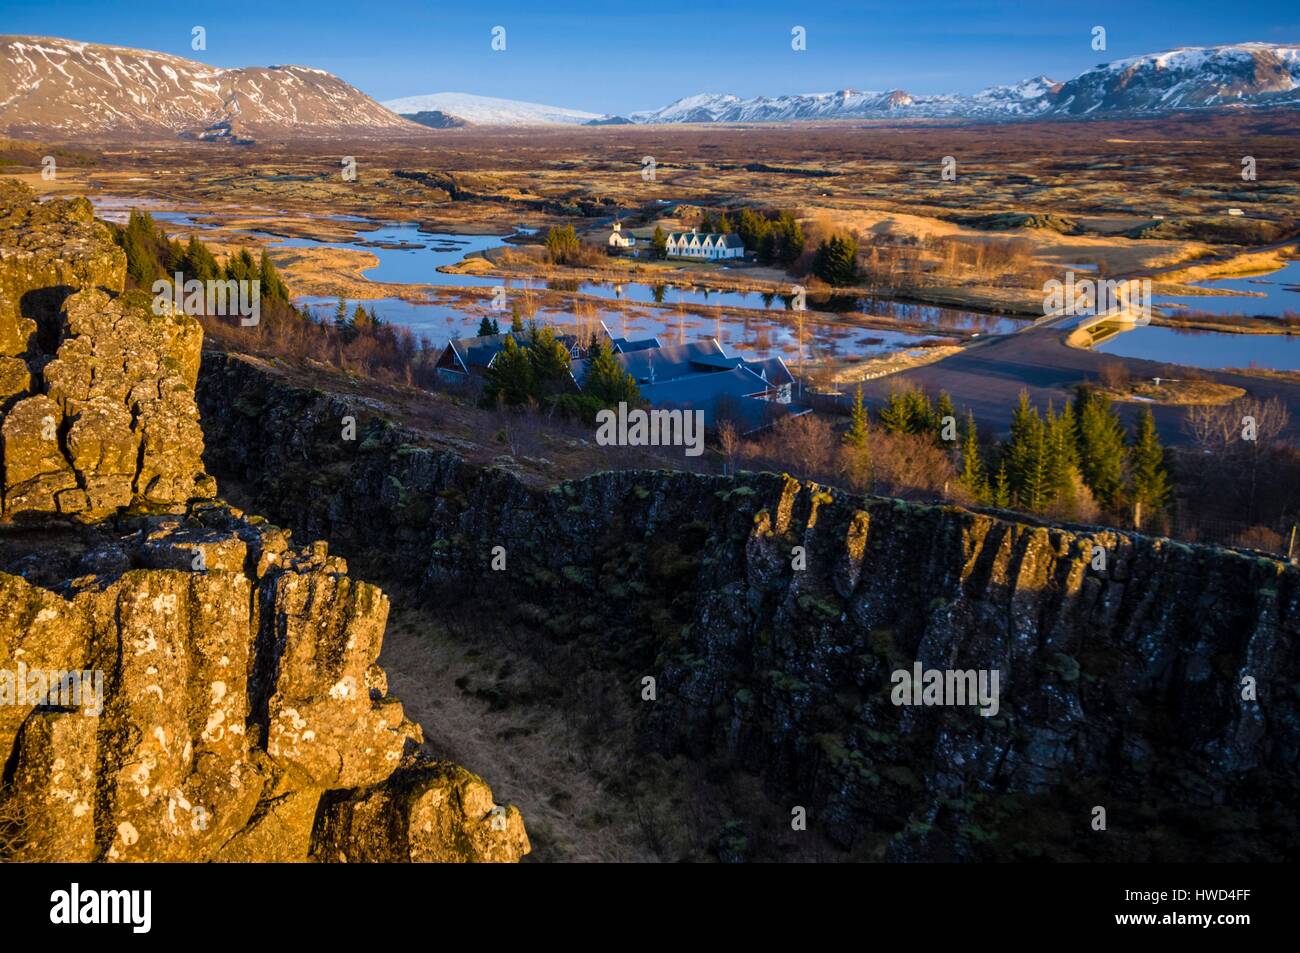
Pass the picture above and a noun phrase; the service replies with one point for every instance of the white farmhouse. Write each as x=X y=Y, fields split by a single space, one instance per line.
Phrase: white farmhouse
x=711 y=247
x=618 y=240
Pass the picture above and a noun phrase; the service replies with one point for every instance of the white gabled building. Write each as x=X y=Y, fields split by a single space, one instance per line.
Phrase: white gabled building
x=708 y=246
x=619 y=240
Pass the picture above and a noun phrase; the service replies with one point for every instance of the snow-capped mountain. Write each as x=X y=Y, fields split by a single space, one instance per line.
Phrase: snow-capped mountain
x=1023 y=98
x=59 y=87
x=1251 y=74
x=1257 y=74
x=490 y=111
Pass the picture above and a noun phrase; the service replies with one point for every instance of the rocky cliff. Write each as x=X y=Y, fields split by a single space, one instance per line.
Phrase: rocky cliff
x=178 y=680
x=1149 y=706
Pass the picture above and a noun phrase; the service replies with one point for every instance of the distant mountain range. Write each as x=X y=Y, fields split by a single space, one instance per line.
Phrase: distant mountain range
x=54 y=87
x=65 y=89
x=489 y=111
x=1243 y=74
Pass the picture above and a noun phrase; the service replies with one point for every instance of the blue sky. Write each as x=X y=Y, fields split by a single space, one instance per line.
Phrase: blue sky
x=622 y=56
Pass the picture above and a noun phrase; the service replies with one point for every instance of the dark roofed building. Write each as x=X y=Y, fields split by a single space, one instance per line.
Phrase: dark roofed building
x=465 y=356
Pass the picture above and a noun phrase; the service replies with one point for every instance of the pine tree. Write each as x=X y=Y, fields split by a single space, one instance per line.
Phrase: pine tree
x=1002 y=488
x=836 y=261
x=550 y=360
x=1027 y=461
x=562 y=244
x=942 y=410
x=792 y=239
x=1101 y=448
x=272 y=288
x=895 y=415
x=1062 y=462
x=488 y=327
x=972 y=467
x=241 y=267
x=724 y=224
x=1150 y=488
x=199 y=263
x=516 y=322
x=510 y=379
x=607 y=381
x=360 y=318
x=856 y=436
x=659 y=244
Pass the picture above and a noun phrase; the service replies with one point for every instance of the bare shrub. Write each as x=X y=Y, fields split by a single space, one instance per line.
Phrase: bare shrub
x=1218 y=427
x=906 y=464
x=1114 y=376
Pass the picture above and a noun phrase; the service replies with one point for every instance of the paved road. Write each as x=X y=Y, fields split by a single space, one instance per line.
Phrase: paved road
x=988 y=376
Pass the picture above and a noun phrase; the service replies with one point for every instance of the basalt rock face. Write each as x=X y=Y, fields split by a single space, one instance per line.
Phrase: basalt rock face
x=238 y=686
x=97 y=392
x=1152 y=690
x=179 y=681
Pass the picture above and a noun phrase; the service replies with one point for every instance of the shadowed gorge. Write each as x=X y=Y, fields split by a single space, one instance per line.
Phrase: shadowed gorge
x=1120 y=688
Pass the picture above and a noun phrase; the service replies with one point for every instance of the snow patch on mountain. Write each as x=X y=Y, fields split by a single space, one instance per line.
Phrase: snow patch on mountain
x=491 y=111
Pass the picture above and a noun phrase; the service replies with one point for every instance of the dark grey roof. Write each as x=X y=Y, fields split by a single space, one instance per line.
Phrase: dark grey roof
x=772 y=368
x=695 y=389
x=668 y=361
x=479 y=351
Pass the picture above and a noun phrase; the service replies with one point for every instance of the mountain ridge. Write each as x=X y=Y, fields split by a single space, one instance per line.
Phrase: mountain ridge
x=72 y=88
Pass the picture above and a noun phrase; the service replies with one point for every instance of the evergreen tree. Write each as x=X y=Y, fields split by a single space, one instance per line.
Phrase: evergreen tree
x=146 y=251
x=199 y=263
x=510 y=379
x=792 y=240
x=272 y=288
x=752 y=228
x=1002 y=488
x=972 y=467
x=550 y=360
x=836 y=261
x=1101 y=447
x=562 y=244
x=724 y=224
x=1150 y=486
x=894 y=415
x=1062 y=461
x=361 y=319
x=488 y=327
x=241 y=267
x=856 y=436
x=1027 y=458
x=659 y=244
x=944 y=409
x=607 y=381
x=516 y=322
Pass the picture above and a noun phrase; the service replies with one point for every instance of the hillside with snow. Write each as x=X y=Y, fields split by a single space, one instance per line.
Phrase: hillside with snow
x=55 y=87
x=1243 y=74
x=490 y=111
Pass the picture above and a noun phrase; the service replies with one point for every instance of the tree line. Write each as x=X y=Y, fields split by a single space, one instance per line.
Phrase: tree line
x=151 y=255
x=1068 y=464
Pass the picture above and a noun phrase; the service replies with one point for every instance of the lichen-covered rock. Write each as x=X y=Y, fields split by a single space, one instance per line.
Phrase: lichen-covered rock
x=112 y=422
x=230 y=691
x=47 y=250
x=427 y=812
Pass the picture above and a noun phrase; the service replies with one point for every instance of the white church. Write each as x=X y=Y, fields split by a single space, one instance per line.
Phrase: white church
x=709 y=246
x=617 y=239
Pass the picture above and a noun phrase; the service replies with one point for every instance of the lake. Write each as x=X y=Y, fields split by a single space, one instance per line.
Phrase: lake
x=1209 y=349
x=1280 y=294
